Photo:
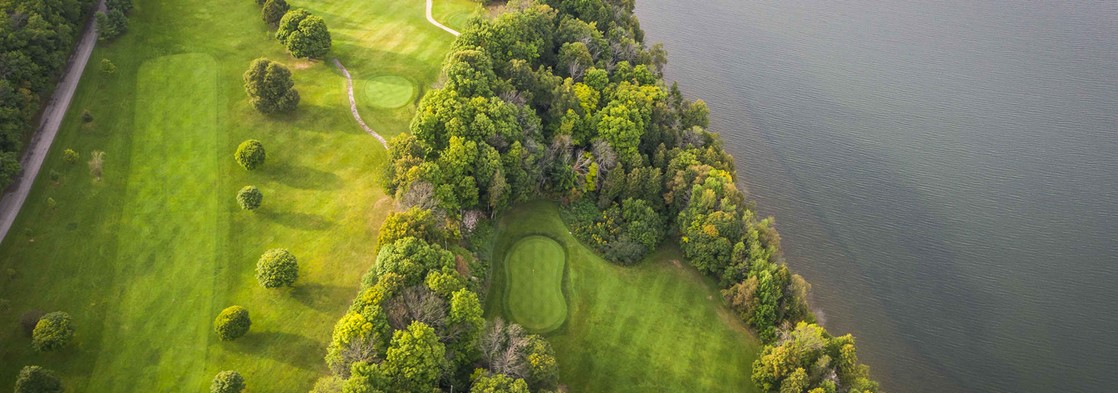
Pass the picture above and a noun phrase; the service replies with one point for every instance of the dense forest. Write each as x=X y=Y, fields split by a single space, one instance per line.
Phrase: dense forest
x=562 y=100
x=35 y=43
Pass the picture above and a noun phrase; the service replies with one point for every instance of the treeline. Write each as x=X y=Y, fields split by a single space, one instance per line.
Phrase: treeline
x=36 y=39
x=562 y=100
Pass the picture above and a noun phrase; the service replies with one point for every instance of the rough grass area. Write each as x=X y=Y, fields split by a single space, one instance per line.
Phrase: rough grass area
x=389 y=91
x=145 y=258
x=658 y=326
x=534 y=269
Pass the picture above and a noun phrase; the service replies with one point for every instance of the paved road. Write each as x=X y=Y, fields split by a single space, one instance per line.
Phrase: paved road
x=52 y=116
x=436 y=23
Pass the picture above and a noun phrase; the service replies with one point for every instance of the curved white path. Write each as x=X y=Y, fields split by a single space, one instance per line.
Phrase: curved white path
x=51 y=119
x=436 y=23
x=353 y=104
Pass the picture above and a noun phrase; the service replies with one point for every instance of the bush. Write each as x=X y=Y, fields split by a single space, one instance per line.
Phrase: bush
x=87 y=117
x=249 y=198
x=273 y=11
x=250 y=154
x=269 y=87
x=35 y=379
x=277 y=268
x=55 y=175
x=232 y=323
x=70 y=156
x=227 y=382
x=107 y=66
x=54 y=331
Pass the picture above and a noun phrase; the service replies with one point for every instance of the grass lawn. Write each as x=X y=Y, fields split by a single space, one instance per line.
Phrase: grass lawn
x=145 y=258
x=534 y=269
x=658 y=326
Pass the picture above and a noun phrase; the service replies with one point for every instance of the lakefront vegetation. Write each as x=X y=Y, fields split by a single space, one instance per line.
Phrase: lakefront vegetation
x=563 y=218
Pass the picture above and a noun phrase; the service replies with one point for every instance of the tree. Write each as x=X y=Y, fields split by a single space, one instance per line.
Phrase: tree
x=413 y=362
x=250 y=154
x=273 y=11
x=290 y=23
x=53 y=332
x=249 y=198
x=311 y=39
x=543 y=369
x=412 y=259
x=499 y=383
x=269 y=87
x=9 y=168
x=232 y=323
x=466 y=325
x=35 y=379
x=227 y=382
x=277 y=268
x=111 y=25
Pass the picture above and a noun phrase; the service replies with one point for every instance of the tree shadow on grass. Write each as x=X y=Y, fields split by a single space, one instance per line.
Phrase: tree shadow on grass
x=292 y=349
x=304 y=221
x=318 y=296
x=304 y=178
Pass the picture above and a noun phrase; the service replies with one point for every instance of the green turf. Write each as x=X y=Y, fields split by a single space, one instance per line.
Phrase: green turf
x=147 y=257
x=659 y=326
x=389 y=91
x=534 y=269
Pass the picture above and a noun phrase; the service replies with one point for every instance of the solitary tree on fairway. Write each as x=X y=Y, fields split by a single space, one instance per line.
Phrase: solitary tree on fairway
x=249 y=198
x=311 y=39
x=54 y=331
x=273 y=11
x=35 y=379
x=277 y=268
x=227 y=382
x=250 y=154
x=270 y=87
x=232 y=323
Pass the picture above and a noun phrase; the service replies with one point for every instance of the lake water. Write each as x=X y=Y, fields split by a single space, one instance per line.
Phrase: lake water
x=944 y=172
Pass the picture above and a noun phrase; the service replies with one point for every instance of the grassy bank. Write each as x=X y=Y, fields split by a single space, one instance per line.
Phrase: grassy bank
x=145 y=258
x=657 y=326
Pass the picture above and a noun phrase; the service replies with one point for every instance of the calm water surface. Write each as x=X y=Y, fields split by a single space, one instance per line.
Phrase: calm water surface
x=945 y=173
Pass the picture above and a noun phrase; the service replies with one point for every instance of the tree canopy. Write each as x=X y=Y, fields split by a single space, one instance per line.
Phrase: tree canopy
x=270 y=87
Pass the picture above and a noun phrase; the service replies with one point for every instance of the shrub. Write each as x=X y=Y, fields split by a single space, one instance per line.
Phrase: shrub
x=277 y=268
x=273 y=11
x=250 y=154
x=87 y=117
x=55 y=175
x=269 y=87
x=232 y=323
x=54 y=331
x=35 y=379
x=249 y=197
x=107 y=66
x=70 y=156
x=227 y=382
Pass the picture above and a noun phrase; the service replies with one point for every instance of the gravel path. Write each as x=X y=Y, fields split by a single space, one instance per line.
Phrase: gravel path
x=53 y=112
x=436 y=23
x=353 y=105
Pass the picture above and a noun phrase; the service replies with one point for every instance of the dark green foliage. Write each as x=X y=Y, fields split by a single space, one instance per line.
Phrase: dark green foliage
x=269 y=87
x=9 y=168
x=249 y=198
x=232 y=323
x=54 y=331
x=277 y=268
x=227 y=382
x=250 y=154
x=124 y=6
x=310 y=40
x=621 y=233
x=35 y=379
x=86 y=116
x=273 y=11
x=111 y=25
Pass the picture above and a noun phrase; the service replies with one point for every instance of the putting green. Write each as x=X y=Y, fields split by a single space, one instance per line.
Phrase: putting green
x=534 y=274
x=389 y=91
